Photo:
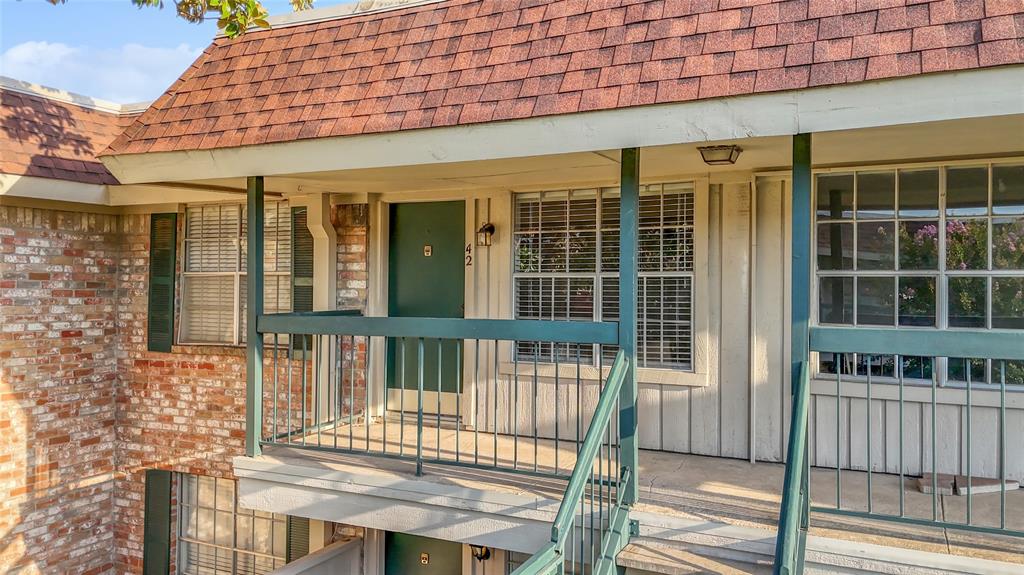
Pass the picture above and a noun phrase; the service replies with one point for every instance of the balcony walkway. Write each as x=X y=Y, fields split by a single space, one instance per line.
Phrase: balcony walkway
x=689 y=488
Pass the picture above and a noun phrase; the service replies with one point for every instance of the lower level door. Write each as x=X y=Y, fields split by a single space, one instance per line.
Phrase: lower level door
x=413 y=555
x=426 y=278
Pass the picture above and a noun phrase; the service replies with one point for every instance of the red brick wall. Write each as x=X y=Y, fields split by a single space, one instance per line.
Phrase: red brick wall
x=57 y=379
x=85 y=409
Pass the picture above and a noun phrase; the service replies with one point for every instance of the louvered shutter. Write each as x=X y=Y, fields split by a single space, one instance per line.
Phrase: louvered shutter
x=163 y=230
x=302 y=267
x=298 y=538
x=156 y=538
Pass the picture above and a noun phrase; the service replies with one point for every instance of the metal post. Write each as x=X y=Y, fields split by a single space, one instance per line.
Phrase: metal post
x=794 y=512
x=629 y=217
x=254 y=309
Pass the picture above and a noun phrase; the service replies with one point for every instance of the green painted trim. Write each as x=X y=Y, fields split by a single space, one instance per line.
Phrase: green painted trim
x=163 y=243
x=254 y=309
x=546 y=560
x=445 y=328
x=629 y=218
x=156 y=531
x=917 y=521
x=923 y=342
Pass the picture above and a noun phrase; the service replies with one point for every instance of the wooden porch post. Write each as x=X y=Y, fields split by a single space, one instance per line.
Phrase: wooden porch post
x=254 y=309
x=629 y=185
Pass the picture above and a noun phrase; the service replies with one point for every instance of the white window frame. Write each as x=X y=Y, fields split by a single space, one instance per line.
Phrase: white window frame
x=238 y=275
x=940 y=371
x=697 y=374
x=186 y=537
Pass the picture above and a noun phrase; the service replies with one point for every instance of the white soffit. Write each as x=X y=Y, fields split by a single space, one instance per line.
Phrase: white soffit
x=925 y=98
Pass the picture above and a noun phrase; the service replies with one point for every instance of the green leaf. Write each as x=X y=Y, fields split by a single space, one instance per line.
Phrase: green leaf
x=261 y=23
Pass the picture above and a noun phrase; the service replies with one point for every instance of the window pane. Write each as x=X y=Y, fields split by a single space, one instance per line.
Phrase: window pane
x=919 y=193
x=876 y=195
x=583 y=210
x=967 y=297
x=967 y=191
x=677 y=249
x=958 y=368
x=552 y=252
x=966 y=244
x=554 y=210
x=649 y=250
x=1008 y=303
x=876 y=245
x=527 y=252
x=881 y=365
x=1012 y=372
x=831 y=362
x=527 y=213
x=208 y=309
x=835 y=300
x=919 y=245
x=1008 y=190
x=917 y=367
x=1008 y=243
x=835 y=246
x=835 y=196
x=917 y=301
x=582 y=251
x=875 y=305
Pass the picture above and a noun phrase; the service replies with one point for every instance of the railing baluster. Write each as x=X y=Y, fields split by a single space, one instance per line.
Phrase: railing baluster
x=558 y=402
x=275 y=389
x=839 y=431
x=514 y=412
x=494 y=421
x=401 y=399
x=969 y=490
x=440 y=359
x=935 y=463
x=351 y=392
x=366 y=386
x=317 y=340
x=289 y=360
x=302 y=422
x=1002 y=444
x=476 y=403
x=870 y=361
x=384 y=384
x=535 y=393
x=458 y=397
x=337 y=385
x=419 y=406
x=899 y=366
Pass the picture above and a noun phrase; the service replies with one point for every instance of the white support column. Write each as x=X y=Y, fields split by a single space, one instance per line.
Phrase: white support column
x=377 y=299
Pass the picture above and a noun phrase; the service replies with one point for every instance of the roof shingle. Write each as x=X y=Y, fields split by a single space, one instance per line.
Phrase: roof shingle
x=470 y=61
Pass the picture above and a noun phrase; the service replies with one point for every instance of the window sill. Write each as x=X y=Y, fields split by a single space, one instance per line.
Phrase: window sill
x=589 y=374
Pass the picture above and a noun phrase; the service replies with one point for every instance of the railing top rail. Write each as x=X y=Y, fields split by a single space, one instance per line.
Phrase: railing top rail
x=591 y=444
x=919 y=342
x=444 y=328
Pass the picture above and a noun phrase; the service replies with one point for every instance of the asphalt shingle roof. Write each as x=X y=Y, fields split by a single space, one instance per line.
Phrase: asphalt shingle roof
x=469 y=61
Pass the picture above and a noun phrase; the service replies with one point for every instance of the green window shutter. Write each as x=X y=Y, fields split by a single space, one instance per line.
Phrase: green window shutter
x=298 y=538
x=163 y=232
x=302 y=267
x=156 y=539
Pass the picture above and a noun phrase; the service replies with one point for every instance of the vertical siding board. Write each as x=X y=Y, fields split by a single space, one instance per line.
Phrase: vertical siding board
x=769 y=336
x=704 y=405
x=649 y=416
x=734 y=386
x=675 y=419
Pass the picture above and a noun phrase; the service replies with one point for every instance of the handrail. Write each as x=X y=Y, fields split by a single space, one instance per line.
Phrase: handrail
x=591 y=444
x=548 y=559
x=605 y=333
x=918 y=342
x=793 y=513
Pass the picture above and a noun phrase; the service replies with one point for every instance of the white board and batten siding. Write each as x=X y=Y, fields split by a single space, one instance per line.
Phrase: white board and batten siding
x=742 y=343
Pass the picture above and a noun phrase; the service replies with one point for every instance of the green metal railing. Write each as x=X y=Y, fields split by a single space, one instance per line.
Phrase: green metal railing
x=865 y=347
x=592 y=523
x=459 y=391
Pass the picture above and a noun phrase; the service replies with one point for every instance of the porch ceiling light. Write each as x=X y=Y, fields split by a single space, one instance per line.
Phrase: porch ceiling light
x=720 y=155
x=483 y=235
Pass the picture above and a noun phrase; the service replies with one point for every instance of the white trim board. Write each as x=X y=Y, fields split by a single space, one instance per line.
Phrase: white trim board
x=923 y=98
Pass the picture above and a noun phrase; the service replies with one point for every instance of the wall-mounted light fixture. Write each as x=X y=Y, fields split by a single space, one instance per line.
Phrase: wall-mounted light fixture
x=479 y=552
x=720 y=155
x=483 y=235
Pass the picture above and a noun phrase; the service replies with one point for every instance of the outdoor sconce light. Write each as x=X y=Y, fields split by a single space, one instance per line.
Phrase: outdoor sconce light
x=480 y=553
x=720 y=155
x=483 y=235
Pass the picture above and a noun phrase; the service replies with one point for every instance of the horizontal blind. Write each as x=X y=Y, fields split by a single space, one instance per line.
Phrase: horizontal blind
x=566 y=264
x=213 y=291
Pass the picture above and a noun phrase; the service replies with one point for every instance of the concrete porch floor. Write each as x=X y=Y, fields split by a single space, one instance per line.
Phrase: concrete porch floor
x=689 y=487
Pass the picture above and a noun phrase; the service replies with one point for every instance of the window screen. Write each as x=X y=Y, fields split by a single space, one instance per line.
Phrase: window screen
x=566 y=258
x=213 y=290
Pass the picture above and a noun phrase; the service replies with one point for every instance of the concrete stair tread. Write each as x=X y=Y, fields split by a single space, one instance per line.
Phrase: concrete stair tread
x=647 y=556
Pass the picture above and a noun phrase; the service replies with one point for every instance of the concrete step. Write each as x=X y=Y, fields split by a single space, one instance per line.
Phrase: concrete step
x=647 y=556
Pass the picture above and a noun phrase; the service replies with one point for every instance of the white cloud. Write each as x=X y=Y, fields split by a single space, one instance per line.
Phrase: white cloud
x=130 y=73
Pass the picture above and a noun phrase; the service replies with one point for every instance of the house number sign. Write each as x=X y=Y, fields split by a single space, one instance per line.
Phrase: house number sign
x=469 y=254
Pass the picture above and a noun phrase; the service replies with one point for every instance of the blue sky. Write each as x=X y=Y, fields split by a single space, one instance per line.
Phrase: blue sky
x=106 y=49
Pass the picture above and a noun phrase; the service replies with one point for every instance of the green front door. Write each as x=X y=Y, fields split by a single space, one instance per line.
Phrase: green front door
x=426 y=278
x=413 y=555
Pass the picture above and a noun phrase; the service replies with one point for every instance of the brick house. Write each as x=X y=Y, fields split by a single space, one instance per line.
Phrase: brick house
x=538 y=287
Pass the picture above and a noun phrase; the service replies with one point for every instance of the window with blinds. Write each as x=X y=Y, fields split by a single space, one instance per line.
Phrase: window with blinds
x=213 y=288
x=566 y=268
